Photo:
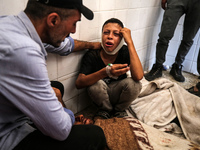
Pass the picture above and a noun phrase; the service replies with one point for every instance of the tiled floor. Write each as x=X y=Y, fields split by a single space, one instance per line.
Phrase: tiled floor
x=190 y=80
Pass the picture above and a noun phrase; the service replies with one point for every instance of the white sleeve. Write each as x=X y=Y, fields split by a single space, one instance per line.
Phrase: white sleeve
x=30 y=91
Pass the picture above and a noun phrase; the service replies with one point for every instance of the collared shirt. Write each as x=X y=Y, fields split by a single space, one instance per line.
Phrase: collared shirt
x=25 y=92
x=64 y=49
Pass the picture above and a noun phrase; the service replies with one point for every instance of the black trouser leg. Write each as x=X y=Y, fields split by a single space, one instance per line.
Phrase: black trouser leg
x=82 y=137
x=190 y=29
x=170 y=20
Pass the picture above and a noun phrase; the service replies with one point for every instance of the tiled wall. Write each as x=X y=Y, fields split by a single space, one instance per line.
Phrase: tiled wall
x=141 y=16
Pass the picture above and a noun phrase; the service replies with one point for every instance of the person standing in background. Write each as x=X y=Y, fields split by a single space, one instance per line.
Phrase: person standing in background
x=174 y=9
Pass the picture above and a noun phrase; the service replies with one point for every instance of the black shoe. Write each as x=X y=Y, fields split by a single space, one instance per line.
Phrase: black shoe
x=103 y=114
x=120 y=114
x=155 y=72
x=176 y=72
x=191 y=90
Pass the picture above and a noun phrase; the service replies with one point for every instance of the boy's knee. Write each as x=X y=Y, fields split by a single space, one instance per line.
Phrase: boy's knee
x=130 y=83
x=98 y=86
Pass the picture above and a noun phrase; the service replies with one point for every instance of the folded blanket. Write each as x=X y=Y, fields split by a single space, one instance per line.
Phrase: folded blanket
x=161 y=101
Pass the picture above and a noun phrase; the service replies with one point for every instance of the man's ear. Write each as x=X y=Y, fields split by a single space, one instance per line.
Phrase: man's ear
x=53 y=19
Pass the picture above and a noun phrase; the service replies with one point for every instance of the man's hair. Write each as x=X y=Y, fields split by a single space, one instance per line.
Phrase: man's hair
x=113 y=20
x=38 y=10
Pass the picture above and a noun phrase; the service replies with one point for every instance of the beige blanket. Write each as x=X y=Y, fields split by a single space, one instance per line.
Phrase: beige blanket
x=161 y=101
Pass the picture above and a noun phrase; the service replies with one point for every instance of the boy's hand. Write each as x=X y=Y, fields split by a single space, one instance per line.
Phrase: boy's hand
x=126 y=33
x=119 y=69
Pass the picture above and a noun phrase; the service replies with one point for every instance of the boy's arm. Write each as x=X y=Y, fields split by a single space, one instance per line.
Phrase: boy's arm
x=135 y=64
x=87 y=80
x=82 y=45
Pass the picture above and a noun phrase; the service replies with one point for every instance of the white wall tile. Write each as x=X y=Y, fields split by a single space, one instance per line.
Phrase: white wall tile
x=134 y=4
x=150 y=35
x=120 y=4
x=197 y=38
x=68 y=64
x=190 y=56
x=144 y=20
x=89 y=29
x=151 y=3
x=88 y=24
x=105 y=15
x=187 y=65
x=153 y=50
x=83 y=100
x=149 y=16
x=52 y=66
x=89 y=35
x=133 y=19
x=173 y=48
x=135 y=37
x=194 y=69
x=156 y=31
x=169 y=60
x=92 y=4
x=69 y=85
x=142 y=37
x=149 y=65
x=145 y=53
x=141 y=55
x=10 y=7
x=107 y=5
x=178 y=33
x=72 y=104
x=196 y=53
x=198 y=42
x=122 y=15
x=181 y=20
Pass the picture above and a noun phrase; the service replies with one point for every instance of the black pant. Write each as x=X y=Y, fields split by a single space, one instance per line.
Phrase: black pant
x=81 y=137
x=176 y=9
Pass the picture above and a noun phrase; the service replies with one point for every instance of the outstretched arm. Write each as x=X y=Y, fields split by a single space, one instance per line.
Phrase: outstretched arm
x=82 y=45
x=88 y=80
x=70 y=45
x=135 y=64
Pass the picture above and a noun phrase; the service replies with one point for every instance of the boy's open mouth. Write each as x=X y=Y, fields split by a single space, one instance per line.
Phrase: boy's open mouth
x=109 y=44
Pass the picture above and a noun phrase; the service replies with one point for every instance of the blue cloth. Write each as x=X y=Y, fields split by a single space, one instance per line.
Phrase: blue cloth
x=71 y=114
x=26 y=95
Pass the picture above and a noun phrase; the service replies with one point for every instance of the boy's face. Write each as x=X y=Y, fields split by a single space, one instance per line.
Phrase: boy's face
x=111 y=36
